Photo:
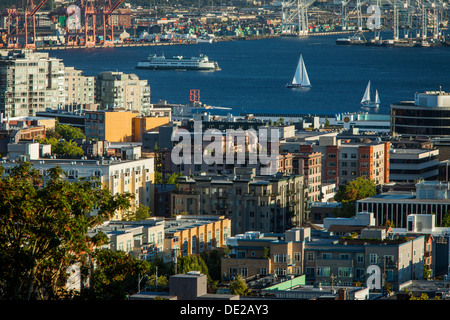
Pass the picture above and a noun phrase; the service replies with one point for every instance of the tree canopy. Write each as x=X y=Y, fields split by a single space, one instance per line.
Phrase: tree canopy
x=351 y=192
x=63 y=147
x=356 y=189
x=45 y=223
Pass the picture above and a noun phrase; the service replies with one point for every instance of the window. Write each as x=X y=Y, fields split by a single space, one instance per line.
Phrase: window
x=279 y=257
x=280 y=271
x=310 y=256
x=185 y=247
x=297 y=256
x=345 y=256
x=160 y=238
x=373 y=258
x=323 y=271
x=263 y=271
x=344 y=272
x=326 y=255
x=389 y=259
x=244 y=271
x=360 y=257
x=194 y=244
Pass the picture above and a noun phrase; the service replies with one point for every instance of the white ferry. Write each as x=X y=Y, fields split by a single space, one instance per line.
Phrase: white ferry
x=155 y=62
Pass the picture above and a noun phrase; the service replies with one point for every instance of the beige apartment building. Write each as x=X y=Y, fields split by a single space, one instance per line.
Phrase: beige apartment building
x=310 y=165
x=187 y=234
x=265 y=203
x=79 y=89
x=133 y=176
x=30 y=82
x=119 y=90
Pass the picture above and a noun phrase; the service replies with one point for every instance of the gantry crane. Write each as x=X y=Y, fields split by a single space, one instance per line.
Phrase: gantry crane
x=108 y=24
x=14 y=30
x=30 y=16
x=12 y=27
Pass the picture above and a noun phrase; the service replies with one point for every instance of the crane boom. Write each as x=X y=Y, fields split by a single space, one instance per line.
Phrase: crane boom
x=36 y=8
x=114 y=6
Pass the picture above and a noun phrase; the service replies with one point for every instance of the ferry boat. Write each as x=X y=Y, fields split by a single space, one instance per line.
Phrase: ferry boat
x=353 y=40
x=156 y=62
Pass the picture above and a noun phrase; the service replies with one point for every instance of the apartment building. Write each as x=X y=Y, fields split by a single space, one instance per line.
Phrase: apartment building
x=346 y=260
x=110 y=125
x=30 y=82
x=143 y=124
x=193 y=234
x=265 y=203
x=120 y=125
x=119 y=90
x=325 y=259
x=142 y=239
x=344 y=160
x=79 y=89
x=119 y=176
x=437 y=239
x=255 y=253
x=310 y=166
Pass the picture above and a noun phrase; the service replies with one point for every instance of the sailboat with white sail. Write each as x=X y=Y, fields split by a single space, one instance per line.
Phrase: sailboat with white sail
x=366 y=100
x=300 y=79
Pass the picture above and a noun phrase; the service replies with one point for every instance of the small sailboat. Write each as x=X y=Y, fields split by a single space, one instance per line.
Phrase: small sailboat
x=300 y=78
x=366 y=100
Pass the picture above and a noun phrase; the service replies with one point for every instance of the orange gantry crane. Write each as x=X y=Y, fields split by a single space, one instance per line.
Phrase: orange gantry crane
x=14 y=29
x=97 y=14
x=108 y=23
x=30 y=16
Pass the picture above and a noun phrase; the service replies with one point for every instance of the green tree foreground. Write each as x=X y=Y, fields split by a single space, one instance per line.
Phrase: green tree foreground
x=43 y=230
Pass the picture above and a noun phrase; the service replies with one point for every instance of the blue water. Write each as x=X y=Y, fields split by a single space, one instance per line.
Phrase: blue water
x=254 y=73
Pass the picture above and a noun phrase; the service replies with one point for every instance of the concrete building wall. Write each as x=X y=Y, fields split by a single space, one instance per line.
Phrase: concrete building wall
x=30 y=82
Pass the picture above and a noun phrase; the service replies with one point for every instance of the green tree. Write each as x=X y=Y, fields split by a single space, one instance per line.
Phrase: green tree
x=161 y=285
x=352 y=191
x=116 y=273
x=356 y=189
x=68 y=132
x=63 y=147
x=44 y=229
x=192 y=263
x=172 y=179
x=141 y=213
x=239 y=286
x=446 y=220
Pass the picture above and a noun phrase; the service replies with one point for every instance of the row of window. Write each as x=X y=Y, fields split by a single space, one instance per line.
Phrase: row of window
x=373 y=257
